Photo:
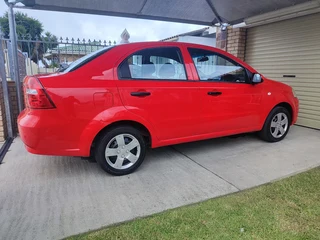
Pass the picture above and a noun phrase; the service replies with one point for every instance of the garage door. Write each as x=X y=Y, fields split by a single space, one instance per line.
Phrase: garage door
x=289 y=51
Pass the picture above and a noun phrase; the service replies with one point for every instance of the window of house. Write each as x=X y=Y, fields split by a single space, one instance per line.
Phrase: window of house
x=154 y=63
x=213 y=67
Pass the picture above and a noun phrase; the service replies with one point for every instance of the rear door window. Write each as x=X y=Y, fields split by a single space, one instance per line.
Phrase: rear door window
x=163 y=63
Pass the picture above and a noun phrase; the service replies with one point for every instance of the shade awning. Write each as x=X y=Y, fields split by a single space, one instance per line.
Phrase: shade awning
x=203 y=12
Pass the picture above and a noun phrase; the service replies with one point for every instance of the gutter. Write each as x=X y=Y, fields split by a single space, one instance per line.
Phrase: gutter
x=299 y=10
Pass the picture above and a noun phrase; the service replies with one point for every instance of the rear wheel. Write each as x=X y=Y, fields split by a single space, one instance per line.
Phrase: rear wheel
x=121 y=150
x=277 y=125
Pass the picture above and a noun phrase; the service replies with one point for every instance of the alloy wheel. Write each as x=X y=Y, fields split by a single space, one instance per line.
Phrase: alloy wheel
x=122 y=151
x=279 y=125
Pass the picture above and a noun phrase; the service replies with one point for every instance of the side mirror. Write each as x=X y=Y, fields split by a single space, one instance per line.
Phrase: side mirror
x=257 y=78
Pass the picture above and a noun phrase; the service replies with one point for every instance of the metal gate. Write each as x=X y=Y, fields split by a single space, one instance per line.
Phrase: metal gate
x=39 y=56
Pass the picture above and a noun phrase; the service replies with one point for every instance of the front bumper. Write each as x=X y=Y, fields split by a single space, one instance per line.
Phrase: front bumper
x=295 y=110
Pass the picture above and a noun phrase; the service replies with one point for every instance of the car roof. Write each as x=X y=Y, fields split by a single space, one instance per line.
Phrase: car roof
x=161 y=43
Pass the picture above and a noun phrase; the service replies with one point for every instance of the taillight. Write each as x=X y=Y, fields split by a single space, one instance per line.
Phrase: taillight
x=35 y=95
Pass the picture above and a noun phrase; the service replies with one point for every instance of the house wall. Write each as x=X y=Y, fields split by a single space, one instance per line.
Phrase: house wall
x=66 y=58
x=14 y=111
x=221 y=39
x=233 y=40
x=69 y=58
x=236 y=42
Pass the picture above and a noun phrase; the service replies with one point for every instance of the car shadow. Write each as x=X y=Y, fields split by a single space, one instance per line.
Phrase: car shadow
x=220 y=143
x=56 y=166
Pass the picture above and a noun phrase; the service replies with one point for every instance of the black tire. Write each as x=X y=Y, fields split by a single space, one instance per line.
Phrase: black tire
x=265 y=134
x=106 y=162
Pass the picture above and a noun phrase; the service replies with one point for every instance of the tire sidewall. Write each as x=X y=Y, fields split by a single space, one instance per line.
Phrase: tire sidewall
x=266 y=129
x=104 y=140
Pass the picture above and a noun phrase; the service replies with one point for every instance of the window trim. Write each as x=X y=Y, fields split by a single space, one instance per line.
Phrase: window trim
x=180 y=55
x=248 y=81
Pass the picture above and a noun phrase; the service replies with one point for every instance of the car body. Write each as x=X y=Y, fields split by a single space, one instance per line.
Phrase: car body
x=187 y=96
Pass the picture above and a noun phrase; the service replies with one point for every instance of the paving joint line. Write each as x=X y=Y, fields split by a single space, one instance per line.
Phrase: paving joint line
x=217 y=175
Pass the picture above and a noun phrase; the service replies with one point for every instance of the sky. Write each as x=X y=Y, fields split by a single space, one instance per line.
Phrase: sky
x=102 y=28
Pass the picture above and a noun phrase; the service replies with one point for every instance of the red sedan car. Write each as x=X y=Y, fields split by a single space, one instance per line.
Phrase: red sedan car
x=114 y=103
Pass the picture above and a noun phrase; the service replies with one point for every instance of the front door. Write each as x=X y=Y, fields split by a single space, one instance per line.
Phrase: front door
x=153 y=84
x=230 y=103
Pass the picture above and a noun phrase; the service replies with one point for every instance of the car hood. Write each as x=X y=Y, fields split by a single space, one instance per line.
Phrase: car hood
x=276 y=84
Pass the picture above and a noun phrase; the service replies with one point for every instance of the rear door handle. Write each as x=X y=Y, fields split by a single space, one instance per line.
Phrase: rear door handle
x=140 y=94
x=214 y=93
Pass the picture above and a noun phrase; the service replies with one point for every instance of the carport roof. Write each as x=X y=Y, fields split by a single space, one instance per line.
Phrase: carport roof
x=203 y=12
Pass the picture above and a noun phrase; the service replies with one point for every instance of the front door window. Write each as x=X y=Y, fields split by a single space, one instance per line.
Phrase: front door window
x=213 y=67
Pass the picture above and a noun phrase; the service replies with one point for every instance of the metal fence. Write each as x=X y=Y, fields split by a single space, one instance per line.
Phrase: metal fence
x=37 y=56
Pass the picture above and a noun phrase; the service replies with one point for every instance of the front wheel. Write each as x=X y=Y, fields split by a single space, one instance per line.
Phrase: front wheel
x=277 y=125
x=121 y=150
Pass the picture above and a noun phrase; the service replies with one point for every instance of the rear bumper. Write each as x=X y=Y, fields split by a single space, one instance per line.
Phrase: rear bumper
x=44 y=133
x=54 y=152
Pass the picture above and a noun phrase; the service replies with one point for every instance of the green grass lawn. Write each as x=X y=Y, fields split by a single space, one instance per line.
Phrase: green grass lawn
x=287 y=209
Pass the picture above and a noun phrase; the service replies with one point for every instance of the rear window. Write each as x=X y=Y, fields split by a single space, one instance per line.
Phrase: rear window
x=85 y=59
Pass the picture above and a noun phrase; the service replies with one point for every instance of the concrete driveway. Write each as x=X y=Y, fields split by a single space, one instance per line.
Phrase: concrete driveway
x=54 y=197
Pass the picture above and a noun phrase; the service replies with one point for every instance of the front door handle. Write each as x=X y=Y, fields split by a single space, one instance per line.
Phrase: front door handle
x=140 y=94
x=214 y=93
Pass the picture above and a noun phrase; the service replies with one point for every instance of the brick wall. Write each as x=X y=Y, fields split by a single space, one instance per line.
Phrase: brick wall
x=221 y=39
x=236 y=42
x=233 y=40
x=14 y=110
x=3 y=123
x=14 y=105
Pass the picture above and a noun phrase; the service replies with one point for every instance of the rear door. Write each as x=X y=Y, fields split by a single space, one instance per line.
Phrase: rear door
x=230 y=103
x=153 y=83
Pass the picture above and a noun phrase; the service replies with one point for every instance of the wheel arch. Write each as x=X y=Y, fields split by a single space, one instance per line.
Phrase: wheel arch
x=139 y=126
x=287 y=106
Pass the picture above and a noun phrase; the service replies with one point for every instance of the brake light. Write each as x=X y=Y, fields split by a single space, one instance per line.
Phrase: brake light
x=35 y=95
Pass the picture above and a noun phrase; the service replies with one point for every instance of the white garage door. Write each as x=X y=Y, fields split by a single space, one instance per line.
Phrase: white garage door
x=289 y=51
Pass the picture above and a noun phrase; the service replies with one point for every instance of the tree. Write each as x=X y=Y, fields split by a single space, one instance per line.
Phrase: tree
x=31 y=29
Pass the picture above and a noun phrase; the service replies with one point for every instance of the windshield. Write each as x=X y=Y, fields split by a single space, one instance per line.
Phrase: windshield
x=85 y=59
